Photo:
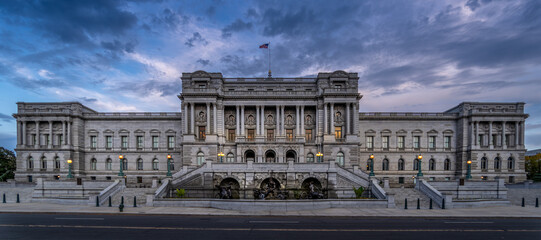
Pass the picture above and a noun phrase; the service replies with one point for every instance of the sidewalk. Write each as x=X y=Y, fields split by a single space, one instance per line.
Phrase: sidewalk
x=496 y=212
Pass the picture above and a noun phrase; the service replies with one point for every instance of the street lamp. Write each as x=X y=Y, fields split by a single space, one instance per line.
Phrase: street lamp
x=319 y=155
x=420 y=158
x=372 y=165
x=468 y=173
x=120 y=159
x=168 y=165
x=221 y=155
x=69 y=168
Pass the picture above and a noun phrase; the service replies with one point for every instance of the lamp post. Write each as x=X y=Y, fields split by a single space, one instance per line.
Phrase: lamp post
x=420 y=158
x=221 y=155
x=168 y=165
x=372 y=165
x=319 y=155
x=468 y=173
x=121 y=159
x=69 y=168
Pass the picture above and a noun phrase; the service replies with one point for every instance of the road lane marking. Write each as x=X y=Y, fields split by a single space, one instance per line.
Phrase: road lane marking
x=266 y=229
x=273 y=221
x=99 y=219
x=469 y=222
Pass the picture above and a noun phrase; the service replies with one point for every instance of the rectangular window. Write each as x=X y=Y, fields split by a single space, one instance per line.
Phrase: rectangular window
x=155 y=141
x=139 y=179
x=109 y=142
x=270 y=134
x=124 y=140
x=431 y=142
x=48 y=139
x=308 y=135
x=370 y=142
x=495 y=140
x=338 y=132
x=93 y=142
x=251 y=134
x=400 y=179
x=202 y=133
x=401 y=142
x=59 y=139
x=385 y=142
x=231 y=135
x=447 y=142
x=34 y=139
x=289 y=134
x=139 y=142
x=416 y=142
x=171 y=142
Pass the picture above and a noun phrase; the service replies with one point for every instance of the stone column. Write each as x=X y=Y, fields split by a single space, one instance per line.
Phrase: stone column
x=18 y=132
x=490 y=135
x=516 y=134
x=316 y=132
x=277 y=119
x=476 y=133
x=257 y=122
x=504 y=140
x=262 y=128
x=24 y=133
x=192 y=120
x=37 y=143
x=50 y=135
x=303 y=131
x=325 y=122
x=242 y=120
x=331 y=130
x=214 y=117
x=347 y=130
x=69 y=133
x=207 y=129
x=471 y=134
x=297 y=123
x=237 y=120
x=522 y=128
x=64 y=139
x=283 y=120
x=185 y=118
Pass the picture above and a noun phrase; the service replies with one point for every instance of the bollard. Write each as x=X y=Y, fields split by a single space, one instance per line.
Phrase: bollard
x=18 y=201
x=443 y=204
x=97 y=201
x=536 y=202
x=406 y=203
x=4 y=198
x=430 y=207
x=134 y=201
x=121 y=206
x=522 y=202
x=110 y=202
x=418 y=203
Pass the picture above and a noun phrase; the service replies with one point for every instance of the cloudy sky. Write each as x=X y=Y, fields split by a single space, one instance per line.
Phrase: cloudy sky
x=410 y=55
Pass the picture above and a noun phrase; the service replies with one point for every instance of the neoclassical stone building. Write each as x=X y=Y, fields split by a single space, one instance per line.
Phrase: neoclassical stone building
x=286 y=128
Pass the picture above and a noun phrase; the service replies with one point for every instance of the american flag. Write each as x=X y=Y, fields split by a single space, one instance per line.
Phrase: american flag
x=266 y=45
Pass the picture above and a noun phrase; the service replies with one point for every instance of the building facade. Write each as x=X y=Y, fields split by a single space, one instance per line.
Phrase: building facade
x=237 y=122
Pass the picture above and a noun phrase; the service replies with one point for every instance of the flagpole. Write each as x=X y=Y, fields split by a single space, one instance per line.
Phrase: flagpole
x=270 y=74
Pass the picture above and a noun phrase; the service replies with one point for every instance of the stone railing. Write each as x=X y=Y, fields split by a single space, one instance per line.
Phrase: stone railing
x=376 y=189
x=162 y=190
x=358 y=177
x=110 y=191
x=179 y=178
x=436 y=196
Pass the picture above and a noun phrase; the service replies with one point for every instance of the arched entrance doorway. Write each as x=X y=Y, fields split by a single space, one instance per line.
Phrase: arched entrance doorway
x=249 y=155
x=291 y=156
x=270 y=156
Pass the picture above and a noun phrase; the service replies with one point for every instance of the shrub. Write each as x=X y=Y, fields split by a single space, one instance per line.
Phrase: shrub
x=180 y=192
x=358 y=191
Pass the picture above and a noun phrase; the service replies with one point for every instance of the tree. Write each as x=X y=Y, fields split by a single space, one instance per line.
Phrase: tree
x=7 y=164
x=533 y=166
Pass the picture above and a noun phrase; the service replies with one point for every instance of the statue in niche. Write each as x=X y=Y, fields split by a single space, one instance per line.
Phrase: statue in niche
x=201 y=117
x=308 y=120
x=250 y=120
x=338 y=117
x=230 y=121
x=269 y=120
x=289 y=120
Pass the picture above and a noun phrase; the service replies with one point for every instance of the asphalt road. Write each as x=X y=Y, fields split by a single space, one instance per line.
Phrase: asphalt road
x=56 y=226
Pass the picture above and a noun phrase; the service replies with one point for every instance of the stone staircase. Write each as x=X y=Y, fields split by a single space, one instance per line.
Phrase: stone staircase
x=412 y=195
x=129 y=193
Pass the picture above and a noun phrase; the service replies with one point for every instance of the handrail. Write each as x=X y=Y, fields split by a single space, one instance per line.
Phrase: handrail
x=160 y=192
x=430 y=191
x=109 y=191
x=361 y=179
x=377 y=190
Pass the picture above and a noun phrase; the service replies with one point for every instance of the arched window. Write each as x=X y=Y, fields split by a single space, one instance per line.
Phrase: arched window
x=200 y=158
x=416 y=164
x=30 y=162
x=510 y=163
x=484 y=163
x=432 y=164
x=497 y=163
x=109 y=164
x=93 y=164
x=57 y=163
x=385 y=165
x=124 y=163
x=155 y=164
x=447 y=165
x=401 y=164
x=340 y=158
x=139 y=164
x=43 y=163
x=230 y=158
x=310 y=158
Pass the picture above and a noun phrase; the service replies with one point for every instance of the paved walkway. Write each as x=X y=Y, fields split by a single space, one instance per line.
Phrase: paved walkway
x=500 y=212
